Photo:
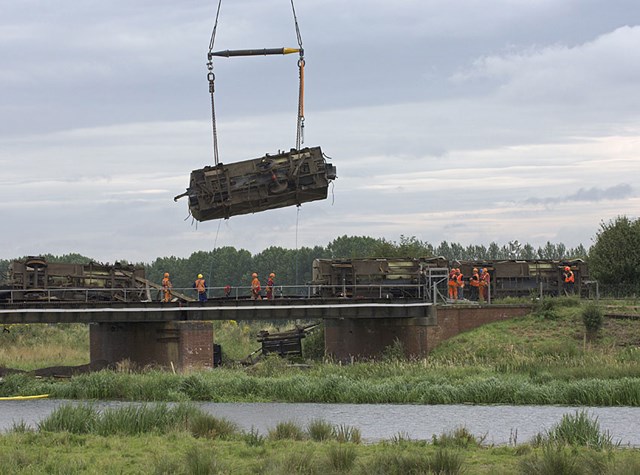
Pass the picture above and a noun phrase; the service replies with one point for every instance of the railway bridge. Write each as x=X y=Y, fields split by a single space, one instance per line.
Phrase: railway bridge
x=180 y=334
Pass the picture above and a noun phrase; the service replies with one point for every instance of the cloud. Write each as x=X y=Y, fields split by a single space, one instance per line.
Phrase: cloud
x=593 y=194
x=603 y=71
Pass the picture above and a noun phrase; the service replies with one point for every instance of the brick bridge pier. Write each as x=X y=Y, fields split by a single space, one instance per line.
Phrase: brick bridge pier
x=184 y=344
x=348 y=339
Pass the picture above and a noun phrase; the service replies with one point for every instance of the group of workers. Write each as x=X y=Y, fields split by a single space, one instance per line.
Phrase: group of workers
x=479 y=283
x=200 y=287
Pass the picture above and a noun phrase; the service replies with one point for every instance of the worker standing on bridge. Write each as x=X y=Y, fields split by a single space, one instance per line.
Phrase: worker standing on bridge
x=485 y=282
x=270 y=284
x=201 y=288
x=453 y=285
x=460 y=279
x=569 y=280
x=474 y=282
x=255 y=287
x=166 y=288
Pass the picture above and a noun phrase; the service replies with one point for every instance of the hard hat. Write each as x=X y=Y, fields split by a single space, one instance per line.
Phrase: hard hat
x=199 y=276
x=254 y=275
x=272 y=275
x=475 y=269
x=567 y=268
x=484 y=269
x=166 y=274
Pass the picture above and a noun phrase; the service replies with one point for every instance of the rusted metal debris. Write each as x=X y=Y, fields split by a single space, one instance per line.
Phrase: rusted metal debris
x=260 y=184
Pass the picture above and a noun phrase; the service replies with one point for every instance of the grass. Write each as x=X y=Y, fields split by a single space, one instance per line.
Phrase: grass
x=33 y=346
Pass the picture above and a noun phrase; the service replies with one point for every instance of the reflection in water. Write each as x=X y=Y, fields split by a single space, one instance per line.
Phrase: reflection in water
x=500 y=424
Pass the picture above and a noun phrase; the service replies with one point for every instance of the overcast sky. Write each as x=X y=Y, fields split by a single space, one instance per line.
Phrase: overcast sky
x=462 y=120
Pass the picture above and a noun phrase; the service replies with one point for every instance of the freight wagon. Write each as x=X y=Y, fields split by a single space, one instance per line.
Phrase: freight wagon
x=34 y=278
x=424 y=277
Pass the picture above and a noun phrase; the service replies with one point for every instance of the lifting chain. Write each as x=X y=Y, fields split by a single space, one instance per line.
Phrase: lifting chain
x=300 y=122
x=211 y=78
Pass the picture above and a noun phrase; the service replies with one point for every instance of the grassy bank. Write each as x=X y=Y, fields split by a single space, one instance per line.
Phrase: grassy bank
x=543 y=358
x=184 y=440
x=28 y=347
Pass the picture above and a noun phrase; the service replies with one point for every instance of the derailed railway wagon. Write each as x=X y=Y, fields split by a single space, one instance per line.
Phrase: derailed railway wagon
x=534 y=277
x=36 y=279
x=270 y=182
x=377 y=277
x=421 y=277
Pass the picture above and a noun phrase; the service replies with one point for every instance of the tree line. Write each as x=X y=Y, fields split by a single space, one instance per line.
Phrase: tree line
x=615 y=253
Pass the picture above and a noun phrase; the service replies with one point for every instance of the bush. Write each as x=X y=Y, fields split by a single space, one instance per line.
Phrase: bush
x=546 y=308
x=592 y=318
x=313 y=344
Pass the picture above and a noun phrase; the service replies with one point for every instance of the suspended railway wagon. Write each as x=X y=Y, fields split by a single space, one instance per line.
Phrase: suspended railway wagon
x=419 y=277
x=36 y=279
x=273 y=181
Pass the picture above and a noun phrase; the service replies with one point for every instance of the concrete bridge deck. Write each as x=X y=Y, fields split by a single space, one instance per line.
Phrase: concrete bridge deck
x=279 y=309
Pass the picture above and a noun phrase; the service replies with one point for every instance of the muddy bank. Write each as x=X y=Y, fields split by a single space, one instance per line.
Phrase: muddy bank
x=58 y=371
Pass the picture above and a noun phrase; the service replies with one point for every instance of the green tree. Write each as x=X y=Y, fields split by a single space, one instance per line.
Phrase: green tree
x=352 y=246
x=614 y=258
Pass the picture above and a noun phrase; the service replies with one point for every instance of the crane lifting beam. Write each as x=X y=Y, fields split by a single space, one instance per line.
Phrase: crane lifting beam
x=254 y=52
x=260 y=184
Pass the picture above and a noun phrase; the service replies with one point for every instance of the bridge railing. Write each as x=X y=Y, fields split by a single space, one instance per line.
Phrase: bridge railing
x=147 y=294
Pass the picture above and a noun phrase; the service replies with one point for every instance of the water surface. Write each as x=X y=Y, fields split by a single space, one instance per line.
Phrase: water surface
x=498 y=424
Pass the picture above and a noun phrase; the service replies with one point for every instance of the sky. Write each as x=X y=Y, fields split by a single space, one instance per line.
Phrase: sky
x=466 y=121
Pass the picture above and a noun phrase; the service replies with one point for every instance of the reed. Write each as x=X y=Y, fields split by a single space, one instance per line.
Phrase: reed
x=342 y=458
x=458 y=438
x=74 y=418
x=345 y=433
x=446 y=462
x=203 y=461
x=205 y=425
x=320 y=430
x=286 y=430
x=577 y=429
x=397 y=463
x=254 y=438
x=555 y=460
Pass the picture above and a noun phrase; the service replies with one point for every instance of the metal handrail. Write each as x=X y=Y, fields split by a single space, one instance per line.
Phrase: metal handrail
x=380 y=291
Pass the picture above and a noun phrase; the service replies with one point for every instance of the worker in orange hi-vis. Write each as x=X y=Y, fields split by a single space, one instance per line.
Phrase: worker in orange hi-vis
x=166 y=288
x=460 y=280
x=485 y=279
x=481 y=285
x=270 y=284
x=201 y=288
x=474 y=282
x=569 y=280
x=453 y=285
x=255 y=287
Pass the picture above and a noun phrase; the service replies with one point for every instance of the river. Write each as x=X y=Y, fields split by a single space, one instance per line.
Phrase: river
x=499 y=424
